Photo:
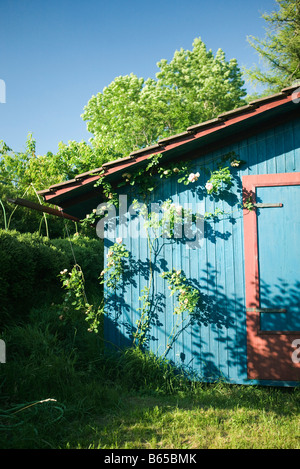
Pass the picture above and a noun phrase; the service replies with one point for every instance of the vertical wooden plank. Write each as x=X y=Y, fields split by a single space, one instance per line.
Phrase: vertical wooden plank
x=208 y=349
x=261 y=154
x=138 y=252
x=167 y=348
x=182 y=262
x=280 y=155
x=289 y=145
x=229 y=282
x=251 y=156
x=197 y=256
x=296 y=129
x=221 y=270
x=271 y=151
x=194 y=254
x=239 y=292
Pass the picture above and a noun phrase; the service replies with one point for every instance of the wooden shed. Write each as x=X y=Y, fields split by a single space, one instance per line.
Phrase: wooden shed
x=240 y=254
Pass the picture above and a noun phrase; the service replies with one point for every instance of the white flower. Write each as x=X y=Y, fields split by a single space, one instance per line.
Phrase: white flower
x=209 y=186
x=193 y=177
x=166 y=206
x=63 y=271
x=119 y=240
x=178 y=209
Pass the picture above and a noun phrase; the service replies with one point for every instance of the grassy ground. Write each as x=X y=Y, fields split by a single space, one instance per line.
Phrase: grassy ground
x=110 y=417
x=130 y=400
x=218 y=417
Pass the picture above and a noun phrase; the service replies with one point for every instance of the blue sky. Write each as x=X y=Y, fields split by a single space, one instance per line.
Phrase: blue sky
x=54 y=55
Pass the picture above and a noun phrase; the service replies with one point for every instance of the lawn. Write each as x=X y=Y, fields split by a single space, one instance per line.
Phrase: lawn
x=126 y=400
x=217 y=417
x=209 y=416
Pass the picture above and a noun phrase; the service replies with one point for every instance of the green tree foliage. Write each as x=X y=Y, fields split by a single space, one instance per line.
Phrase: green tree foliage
x=129 y=114
x=22 y=169
x=23 y=174
x=198 y=86
x=280 y=49
x=194 y=86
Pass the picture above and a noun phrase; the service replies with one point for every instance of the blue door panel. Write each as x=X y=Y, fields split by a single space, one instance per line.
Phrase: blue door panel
x=278 y=230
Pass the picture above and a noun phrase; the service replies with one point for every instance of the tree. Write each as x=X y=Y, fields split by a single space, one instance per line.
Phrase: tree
x=23 y=174
x=194 y=86
x=280 y=49
x=21 y=170
x=199 y=86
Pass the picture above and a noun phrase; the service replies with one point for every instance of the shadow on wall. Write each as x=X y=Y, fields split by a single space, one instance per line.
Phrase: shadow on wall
x=187 y=341
x=210 y=343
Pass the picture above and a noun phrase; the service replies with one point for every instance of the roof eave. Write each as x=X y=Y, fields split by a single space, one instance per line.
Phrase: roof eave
x=164 y=145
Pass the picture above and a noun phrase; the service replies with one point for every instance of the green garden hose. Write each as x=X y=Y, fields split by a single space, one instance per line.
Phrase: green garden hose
x=10 y=418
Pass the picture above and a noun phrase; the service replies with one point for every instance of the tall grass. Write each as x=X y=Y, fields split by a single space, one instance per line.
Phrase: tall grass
x=60 y=390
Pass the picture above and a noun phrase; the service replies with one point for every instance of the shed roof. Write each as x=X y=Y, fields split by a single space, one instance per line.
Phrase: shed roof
x=76 y=195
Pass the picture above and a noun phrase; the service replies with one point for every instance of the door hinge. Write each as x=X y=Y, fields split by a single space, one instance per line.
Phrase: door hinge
x=266 y=310
x=258 y=205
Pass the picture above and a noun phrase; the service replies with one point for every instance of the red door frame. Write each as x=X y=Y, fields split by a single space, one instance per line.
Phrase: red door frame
x=269 y=353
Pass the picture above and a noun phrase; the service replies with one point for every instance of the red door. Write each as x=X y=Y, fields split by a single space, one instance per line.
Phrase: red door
x=272 y=276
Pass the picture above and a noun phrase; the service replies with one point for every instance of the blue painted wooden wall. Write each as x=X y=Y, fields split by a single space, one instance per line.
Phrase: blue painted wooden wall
x=214 y=345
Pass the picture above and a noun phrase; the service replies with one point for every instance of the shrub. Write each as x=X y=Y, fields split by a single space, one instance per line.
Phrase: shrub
x=29 y=270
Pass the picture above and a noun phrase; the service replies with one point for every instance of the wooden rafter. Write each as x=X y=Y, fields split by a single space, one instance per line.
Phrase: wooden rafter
x=42 y=208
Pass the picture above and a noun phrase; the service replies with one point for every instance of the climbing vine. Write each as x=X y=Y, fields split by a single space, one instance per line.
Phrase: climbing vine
x=187 y=296
x=74 y=283
x=115 y=265
x=143 y=181
x=75 y=299
x=187 y=301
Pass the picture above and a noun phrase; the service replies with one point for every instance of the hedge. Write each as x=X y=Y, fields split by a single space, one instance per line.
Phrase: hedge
x=29 y=268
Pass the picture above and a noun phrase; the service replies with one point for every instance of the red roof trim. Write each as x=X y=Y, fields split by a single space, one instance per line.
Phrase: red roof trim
x=67 y=186
x=193 y=133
